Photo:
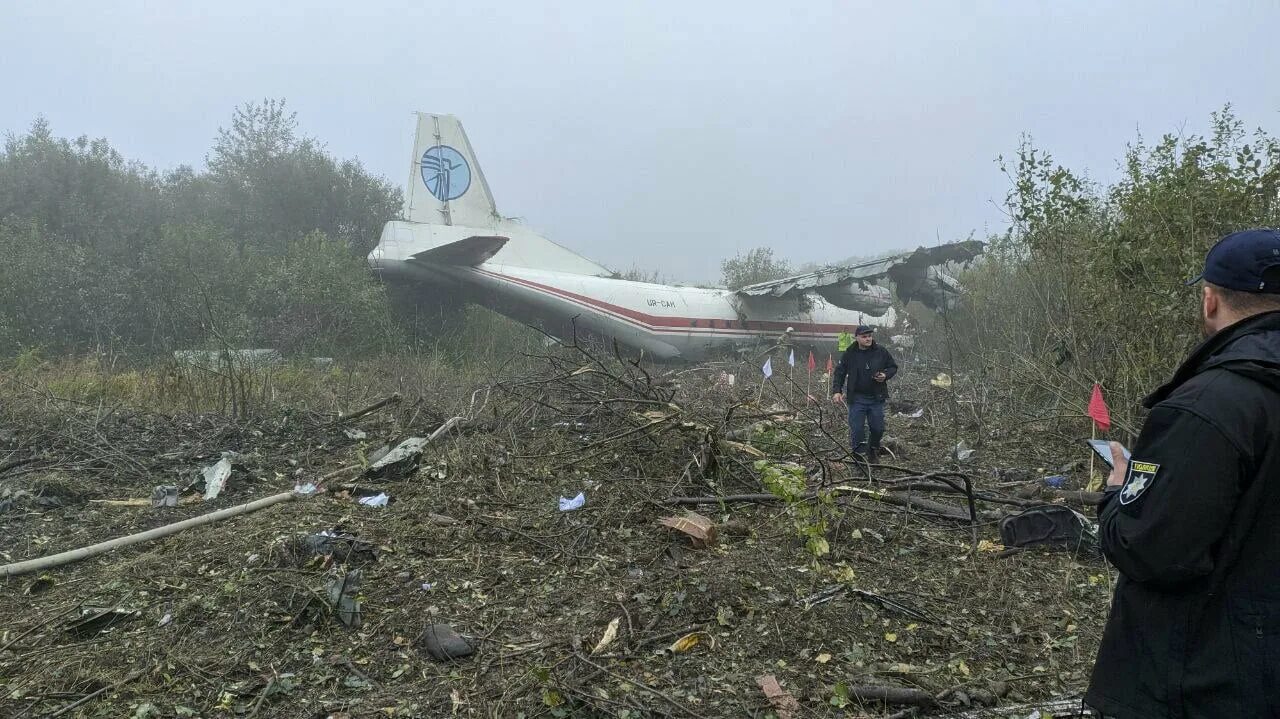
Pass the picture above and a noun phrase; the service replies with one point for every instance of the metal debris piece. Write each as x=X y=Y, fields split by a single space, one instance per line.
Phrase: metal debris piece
x=93 y=620
x=215 y=475
x=342 y=547
x=401 y=461
x=378 y=500
x=344 y=597
x=164 y=495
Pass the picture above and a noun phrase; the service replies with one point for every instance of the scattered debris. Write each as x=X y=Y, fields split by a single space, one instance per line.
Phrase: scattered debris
x=43 y=583
x=700 y=530
x=568 y=505
x=610 y=633
x=164 y=495
x=306 y=489
x=401 y=461
x=215 y=475
x=961 y=452
x=783 y=703
x=340 y=547
x=942 y=381
x=914 y=415
x=343 y=591
x=378 y=500
x=443 y=644
x=93 y=620
x=353 y=433
x=1056 y=481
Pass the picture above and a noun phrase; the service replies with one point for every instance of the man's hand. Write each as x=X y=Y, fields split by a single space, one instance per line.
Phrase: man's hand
x=837 y=398
x=1119 y=466
x=880 y=377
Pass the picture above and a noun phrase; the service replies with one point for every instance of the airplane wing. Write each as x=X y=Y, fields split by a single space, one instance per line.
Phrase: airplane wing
x=471 y=251
x=914 y=276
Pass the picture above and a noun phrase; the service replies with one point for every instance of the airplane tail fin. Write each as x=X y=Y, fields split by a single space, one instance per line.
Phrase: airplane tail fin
x=446 y=185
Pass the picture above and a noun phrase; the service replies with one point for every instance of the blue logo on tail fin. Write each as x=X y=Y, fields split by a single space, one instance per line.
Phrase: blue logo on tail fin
x=445 y=172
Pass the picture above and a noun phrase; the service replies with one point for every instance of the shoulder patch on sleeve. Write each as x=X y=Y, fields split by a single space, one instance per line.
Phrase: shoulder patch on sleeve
x=1138 y=480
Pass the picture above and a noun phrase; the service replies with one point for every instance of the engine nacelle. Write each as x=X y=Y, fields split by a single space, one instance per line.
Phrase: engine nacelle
x=853 y=295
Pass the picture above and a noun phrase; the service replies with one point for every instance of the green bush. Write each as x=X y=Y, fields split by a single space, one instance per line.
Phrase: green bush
x=1088 y=284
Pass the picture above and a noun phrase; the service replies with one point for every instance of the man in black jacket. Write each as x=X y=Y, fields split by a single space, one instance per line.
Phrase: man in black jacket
x=1192 y=520
x=862 y=376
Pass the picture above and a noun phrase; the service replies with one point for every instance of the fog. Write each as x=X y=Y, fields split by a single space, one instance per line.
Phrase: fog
x=666 y=135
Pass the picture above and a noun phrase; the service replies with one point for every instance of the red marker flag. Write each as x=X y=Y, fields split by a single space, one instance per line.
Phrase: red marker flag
x=812 y=363
x=1098 y=409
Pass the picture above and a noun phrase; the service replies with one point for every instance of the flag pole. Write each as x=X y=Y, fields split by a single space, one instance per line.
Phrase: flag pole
x=1093 y=426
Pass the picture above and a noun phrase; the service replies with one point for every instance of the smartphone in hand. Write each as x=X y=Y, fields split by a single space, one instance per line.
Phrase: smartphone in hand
x=1103 y=448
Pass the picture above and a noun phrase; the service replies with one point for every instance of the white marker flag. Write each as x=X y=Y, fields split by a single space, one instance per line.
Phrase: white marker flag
x=767 y=368
x=791 y=359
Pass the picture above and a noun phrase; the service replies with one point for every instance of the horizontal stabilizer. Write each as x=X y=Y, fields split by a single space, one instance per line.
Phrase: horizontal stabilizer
x=470 y=251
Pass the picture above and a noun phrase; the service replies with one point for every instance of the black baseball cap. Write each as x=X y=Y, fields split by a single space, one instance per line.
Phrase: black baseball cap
x=1248 y=261
x=864 y=330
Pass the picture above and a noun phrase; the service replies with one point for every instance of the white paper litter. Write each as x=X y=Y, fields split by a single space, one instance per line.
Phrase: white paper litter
x=568 y=505
x=378 y=500
x=305 y=490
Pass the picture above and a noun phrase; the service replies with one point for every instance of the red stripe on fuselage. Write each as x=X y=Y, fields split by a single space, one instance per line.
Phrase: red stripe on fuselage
x=660 y=323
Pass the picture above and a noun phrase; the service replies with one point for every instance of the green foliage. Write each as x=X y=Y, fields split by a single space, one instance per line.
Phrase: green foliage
x=1088 y=283
x=758 y=265
x=788 y=482
x=265 y=249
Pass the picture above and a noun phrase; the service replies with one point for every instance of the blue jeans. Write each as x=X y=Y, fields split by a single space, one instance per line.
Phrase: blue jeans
x=868 y=410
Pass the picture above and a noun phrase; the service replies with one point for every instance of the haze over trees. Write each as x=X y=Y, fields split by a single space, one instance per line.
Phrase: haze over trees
x=263 y=247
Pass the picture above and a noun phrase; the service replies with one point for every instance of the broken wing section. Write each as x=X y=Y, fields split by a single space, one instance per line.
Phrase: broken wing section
x=914 y=275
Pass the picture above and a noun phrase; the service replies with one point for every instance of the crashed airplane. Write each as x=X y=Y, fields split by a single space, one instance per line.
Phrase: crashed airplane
x=453 y=245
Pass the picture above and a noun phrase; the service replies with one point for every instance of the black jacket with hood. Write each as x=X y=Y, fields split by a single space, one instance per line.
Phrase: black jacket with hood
x=1194 y=629
x=855 y=374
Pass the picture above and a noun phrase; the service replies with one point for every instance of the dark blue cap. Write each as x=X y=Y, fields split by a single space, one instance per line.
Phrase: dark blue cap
x=1248 y=261
x=864 y=330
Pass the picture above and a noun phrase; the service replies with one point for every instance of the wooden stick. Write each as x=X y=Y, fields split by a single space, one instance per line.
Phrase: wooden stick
x=90 y=697
x=75 y=555
x=368 y=410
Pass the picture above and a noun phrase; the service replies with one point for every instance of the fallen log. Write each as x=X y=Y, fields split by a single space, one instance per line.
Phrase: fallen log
x=907 y=500
x=75 y=555
x=1091 y=499
x=1067 y=708
x=893 y=695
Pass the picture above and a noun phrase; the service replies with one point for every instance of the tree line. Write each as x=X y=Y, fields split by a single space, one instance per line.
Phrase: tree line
x=1088 y=283
x=264 y=246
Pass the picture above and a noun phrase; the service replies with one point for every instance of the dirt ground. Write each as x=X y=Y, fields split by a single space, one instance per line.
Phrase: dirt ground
x=596 y=612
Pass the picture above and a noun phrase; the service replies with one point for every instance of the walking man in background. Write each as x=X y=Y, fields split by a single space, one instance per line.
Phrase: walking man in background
x=1191 y=519
x=861 y=379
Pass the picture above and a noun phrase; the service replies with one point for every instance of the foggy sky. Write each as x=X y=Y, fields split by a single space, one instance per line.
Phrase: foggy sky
x=666 y=135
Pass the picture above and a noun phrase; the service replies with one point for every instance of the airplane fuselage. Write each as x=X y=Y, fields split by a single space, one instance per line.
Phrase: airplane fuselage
x=665 y=321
